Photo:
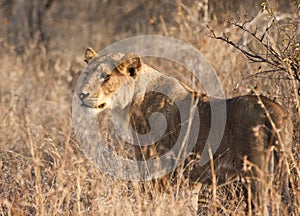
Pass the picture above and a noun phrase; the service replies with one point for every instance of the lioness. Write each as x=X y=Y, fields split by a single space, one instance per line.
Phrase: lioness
x=257 y=129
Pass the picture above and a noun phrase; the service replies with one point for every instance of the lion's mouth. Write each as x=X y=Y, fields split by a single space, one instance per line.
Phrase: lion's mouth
x=101 y=106
x=92 y=103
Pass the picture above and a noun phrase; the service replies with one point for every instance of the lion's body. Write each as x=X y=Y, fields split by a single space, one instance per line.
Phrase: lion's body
x=248 y=133
x=255 y=125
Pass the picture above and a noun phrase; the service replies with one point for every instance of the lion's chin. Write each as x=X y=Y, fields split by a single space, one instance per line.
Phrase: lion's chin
x=90 y=112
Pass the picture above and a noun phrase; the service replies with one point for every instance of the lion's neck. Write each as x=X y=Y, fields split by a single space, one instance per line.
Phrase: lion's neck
x=144 y=81
x=153 y=80
x=147 y=80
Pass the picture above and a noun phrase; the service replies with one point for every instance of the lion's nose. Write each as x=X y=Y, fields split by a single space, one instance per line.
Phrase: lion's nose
x=82 y=95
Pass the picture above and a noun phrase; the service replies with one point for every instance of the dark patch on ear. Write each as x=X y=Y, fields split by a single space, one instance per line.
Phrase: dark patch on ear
x=130 y=64
x=131 y=71
x=89 y=55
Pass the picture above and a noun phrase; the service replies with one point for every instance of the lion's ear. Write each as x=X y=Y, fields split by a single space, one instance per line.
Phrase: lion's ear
x=130 y=64
x=89 y=54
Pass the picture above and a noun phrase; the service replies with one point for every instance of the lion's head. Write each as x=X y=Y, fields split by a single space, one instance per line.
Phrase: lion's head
x=103 y=77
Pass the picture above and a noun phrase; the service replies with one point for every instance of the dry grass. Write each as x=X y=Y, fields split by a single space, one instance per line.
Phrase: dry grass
x=42 y=168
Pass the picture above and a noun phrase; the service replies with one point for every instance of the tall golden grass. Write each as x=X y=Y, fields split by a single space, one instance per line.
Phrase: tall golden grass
x=42 y=168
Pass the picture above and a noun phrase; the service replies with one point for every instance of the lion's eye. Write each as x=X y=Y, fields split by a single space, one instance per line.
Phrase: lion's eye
x=105 y=76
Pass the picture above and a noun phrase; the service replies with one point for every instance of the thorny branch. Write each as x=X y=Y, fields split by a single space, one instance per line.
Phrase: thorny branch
x=279 y=60
x=255 y=35
x=251 y=55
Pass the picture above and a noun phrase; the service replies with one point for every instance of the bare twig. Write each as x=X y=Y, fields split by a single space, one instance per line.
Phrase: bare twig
x=277 y=59
x=251 y=55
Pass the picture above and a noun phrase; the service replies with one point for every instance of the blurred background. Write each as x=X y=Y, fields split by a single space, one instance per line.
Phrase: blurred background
x=51 y=33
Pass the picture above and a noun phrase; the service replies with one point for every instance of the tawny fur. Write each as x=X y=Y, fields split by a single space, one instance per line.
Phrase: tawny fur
x=255 y=125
